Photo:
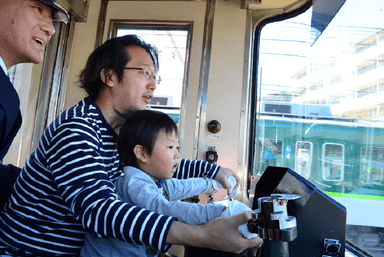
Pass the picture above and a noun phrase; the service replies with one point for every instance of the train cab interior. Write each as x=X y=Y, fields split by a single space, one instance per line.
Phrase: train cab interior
x=268 y=88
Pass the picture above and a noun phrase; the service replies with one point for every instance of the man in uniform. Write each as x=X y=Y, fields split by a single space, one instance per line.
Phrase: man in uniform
x=25 y=29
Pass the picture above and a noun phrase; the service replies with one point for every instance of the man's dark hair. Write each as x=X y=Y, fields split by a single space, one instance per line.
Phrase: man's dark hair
x=142 y=128
x=112 y=55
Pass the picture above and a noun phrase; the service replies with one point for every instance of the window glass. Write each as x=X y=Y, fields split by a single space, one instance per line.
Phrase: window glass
x=270 y=154
x=303 y=158
x=323 y=97
x=372 y=166
x=333 y=162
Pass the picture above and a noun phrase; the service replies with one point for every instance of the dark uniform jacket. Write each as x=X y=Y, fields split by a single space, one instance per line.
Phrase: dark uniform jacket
x=10 y=122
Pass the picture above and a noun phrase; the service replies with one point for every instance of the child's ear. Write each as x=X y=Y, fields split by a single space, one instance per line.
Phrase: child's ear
x=140 y=153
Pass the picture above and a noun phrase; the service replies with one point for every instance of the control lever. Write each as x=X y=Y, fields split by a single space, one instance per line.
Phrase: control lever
x=272 y=223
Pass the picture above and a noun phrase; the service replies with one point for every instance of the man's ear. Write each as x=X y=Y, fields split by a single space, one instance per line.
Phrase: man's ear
x=107 y=77
x=140 y=153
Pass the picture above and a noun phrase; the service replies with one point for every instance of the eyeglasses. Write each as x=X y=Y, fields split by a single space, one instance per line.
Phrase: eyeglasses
x=147 y=73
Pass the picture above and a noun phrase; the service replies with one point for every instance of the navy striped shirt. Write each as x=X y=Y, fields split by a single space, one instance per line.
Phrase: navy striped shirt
x=66 y=188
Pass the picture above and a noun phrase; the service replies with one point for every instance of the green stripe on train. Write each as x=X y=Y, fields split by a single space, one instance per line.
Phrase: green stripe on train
x=356 y=196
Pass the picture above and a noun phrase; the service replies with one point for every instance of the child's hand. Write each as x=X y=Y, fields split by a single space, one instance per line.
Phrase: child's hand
x=223 y=175
x=234 y=187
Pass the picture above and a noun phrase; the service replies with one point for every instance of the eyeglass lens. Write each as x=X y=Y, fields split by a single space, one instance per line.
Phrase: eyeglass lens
x=149 y=75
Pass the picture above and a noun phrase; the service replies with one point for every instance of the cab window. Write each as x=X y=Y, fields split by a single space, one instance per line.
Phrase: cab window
x=322 y=83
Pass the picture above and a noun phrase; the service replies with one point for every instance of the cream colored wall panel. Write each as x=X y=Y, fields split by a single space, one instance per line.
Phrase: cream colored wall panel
x=225 y=80
x=83 y=45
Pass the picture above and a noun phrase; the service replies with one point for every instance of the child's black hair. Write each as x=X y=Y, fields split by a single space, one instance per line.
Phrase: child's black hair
x=142 y=128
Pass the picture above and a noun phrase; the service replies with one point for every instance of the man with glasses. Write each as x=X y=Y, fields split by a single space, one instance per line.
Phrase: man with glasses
x=66 y=187
x=25 y=29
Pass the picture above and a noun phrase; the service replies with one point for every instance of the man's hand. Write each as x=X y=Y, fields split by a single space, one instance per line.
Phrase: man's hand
x=222 y=177
x=219 y=234
x=223 y=234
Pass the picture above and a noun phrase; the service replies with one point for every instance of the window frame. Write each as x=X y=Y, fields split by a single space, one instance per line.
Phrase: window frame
x=324 y=161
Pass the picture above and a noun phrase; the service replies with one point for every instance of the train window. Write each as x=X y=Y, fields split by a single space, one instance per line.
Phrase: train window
x=326 y=89
x=303 y=158
x=333 y=162
x=172 y=41
x=372 y=166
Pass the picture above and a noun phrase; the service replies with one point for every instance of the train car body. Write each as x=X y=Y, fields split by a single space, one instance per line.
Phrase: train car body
x=331 y=153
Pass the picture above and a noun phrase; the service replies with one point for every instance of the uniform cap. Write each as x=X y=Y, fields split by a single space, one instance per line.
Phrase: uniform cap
x=58 y=14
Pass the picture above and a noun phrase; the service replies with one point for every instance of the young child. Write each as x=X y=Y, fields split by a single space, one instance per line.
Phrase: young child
x=148 y=147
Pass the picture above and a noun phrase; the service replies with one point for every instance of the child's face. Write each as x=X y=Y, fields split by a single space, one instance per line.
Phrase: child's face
x=163 y=161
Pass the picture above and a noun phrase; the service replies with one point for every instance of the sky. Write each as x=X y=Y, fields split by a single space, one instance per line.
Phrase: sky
x=285 y=47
